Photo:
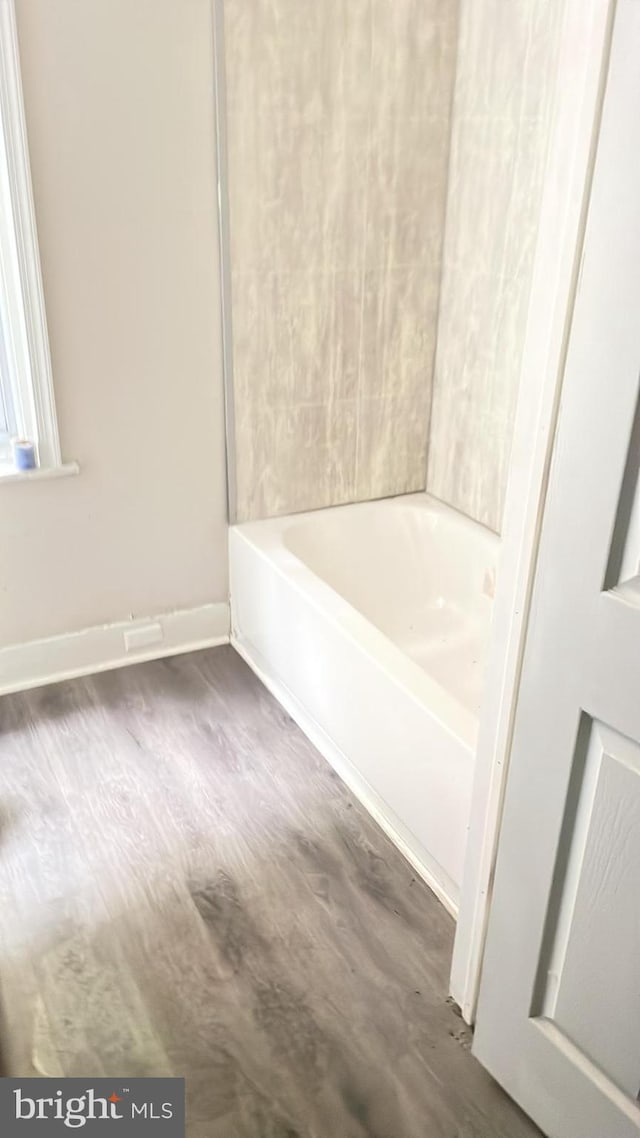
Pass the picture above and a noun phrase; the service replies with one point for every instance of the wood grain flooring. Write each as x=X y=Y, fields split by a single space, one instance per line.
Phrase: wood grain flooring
x=186 y=887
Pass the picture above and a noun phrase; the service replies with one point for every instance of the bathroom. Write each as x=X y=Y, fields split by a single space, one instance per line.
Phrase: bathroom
x=318 y=601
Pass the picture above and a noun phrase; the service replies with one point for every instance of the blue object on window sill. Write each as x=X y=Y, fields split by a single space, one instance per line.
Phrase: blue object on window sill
x=24 y=454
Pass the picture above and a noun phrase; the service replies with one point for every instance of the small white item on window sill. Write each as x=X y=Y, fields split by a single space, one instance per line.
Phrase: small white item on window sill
x=24 y=454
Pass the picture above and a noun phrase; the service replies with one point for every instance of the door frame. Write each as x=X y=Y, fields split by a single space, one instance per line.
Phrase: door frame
x=583 y=57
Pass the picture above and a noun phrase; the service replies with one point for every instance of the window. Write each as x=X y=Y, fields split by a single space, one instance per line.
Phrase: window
x=8 y=425
x=26 y=389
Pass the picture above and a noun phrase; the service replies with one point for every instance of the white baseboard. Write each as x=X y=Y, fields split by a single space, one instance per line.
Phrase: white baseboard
x=107 y=646
x=365 y=794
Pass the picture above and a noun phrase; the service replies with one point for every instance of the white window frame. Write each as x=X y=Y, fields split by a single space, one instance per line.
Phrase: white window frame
x=27 y=362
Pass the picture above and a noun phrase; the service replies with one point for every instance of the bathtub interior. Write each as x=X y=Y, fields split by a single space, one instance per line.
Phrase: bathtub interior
x=419 y=572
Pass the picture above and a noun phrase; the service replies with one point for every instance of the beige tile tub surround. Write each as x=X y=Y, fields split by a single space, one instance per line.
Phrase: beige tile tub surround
x=338 y=136
x=505 y=81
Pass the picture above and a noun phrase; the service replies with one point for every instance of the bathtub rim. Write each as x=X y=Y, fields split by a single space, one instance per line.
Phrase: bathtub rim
x=266 y=538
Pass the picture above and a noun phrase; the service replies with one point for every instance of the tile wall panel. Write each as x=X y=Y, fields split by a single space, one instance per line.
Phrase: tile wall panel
x=338 y=128
x=505 y=82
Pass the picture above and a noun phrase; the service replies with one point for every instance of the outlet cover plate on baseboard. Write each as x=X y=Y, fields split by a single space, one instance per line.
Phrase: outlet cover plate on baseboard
x=143 y=636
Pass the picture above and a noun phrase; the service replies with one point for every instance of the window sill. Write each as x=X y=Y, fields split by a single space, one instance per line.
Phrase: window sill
x=8 y=472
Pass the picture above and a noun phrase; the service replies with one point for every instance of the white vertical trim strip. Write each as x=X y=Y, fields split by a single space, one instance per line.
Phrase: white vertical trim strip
x=225 y=252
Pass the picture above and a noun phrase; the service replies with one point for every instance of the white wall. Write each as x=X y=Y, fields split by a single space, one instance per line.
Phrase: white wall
x=119 y=104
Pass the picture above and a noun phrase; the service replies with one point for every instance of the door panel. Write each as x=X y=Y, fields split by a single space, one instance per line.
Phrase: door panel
x=592 y=975
x=559 y=1013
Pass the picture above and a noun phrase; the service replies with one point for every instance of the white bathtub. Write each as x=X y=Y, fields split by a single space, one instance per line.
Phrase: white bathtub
x=371 y=623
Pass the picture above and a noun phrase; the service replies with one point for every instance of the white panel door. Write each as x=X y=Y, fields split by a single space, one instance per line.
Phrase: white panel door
x=558 y=1020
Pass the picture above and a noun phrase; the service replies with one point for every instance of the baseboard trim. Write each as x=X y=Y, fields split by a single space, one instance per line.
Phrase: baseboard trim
x=340 y=763
x=104 y=646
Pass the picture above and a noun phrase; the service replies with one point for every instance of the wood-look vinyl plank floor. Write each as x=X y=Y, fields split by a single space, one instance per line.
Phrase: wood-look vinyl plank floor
x=187 y=888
